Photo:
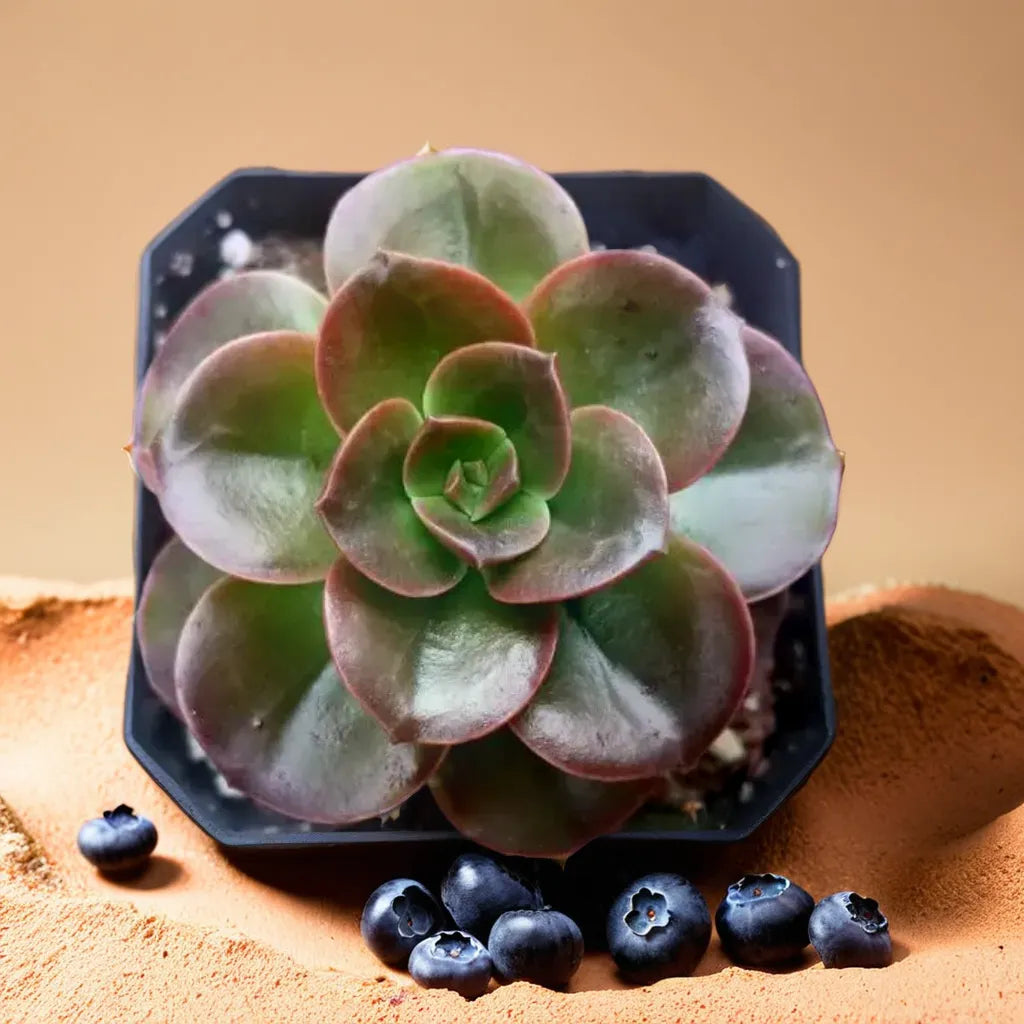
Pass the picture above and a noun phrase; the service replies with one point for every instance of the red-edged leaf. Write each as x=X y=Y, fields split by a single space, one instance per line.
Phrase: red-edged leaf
x=519 y=390
x=610 y=515
x=366 y=510
x=768 y=508
x=243 y=458
x=388 y=327
x=484 y=210
x=647 y=673
x=442 y=669
x=260 y=695
x=502 y=796
x=641 y=334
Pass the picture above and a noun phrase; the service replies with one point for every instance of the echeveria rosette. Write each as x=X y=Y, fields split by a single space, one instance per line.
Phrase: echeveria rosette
x=537 y=480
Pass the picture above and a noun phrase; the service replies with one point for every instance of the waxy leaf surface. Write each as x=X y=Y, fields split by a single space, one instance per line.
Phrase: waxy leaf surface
x=647 y=672
x=518 y=389
x=610 y=515
x=250 y=303
x=366 y=510
x=518 y=526
x=498 y=793
x=175 y=582
x=442 y=669
x=637 y=332
x=243 y=458
x=259 y=692
x=391 y=323
x=768 y=508
x=439 y=443
x=504 y=218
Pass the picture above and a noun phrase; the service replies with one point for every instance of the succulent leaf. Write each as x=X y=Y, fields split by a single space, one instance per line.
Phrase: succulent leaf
x=452 y=453
x=640 y=333
x=610 y=515
x=518 y=526
x=249 y=303
x=768 y=508
x=260 y=694
x=504 y=218
x=391 y=323
x=175 y=582
x=647 y=672
x=438 y=670
x=519 y=390
x=498 y=793
x=243 y=457
x=368 y=514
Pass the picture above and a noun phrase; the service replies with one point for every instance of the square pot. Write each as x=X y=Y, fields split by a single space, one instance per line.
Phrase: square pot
x=688 y=217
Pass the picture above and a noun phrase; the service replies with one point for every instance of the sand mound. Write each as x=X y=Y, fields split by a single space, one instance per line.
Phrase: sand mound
x=915 y=805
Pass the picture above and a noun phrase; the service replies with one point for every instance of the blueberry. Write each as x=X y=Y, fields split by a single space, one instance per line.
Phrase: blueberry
x=119 y=842
x=478 y=889
x=397 y=916
x=763 y=920
x=658 y=927
x=452 y=960
x=849 y=930
x=543 y=946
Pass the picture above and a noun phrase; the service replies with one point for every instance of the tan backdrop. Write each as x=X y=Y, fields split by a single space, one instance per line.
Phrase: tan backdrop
x=883 y=138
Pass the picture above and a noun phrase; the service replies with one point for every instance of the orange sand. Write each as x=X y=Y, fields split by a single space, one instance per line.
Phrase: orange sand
x=918 y=805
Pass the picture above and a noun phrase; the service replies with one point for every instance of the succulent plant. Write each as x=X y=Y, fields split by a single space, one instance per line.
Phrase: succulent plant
x=488 y=518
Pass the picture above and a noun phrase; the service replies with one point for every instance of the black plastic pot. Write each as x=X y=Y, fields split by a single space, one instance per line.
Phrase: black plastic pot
x=690 y=218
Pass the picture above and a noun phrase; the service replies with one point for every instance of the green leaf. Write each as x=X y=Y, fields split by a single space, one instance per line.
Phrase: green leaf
x=518 y=389
x=518 y=526
x=479 y=487
x=768 y=508
x=175 y=582
x=610 y=515
x=647 y=673
x=366 y=510
x=386 y=329
x=443 y=442
x=500 y=795
x=243 y=458
x=504 y=218
x=641 y=334
x=438 y=670
x=260 y=695
x=249 y=303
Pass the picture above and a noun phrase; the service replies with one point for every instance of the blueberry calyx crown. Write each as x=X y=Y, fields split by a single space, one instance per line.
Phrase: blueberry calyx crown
x=864 y=911
x=413 y=918
x=454 y=946
x=648 y=911
x=757 y=887
x=119 y=812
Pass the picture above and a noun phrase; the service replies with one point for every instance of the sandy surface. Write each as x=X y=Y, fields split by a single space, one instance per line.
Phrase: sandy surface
x=918 y=805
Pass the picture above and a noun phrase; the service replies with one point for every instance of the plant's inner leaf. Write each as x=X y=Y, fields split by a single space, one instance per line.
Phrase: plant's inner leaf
x=499 y=794
x=392 y=322
x=442 y=669
x=518 y=526
x=259 y=692
x=647 y=673
x=610 y=515
x=368 y=513
x=768 y=508
x=505 y=219
x=243 y=458
x=518 y=389
x=641 y=334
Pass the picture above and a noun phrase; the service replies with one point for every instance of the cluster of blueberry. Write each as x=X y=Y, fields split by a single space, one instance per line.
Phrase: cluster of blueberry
x=492 y=921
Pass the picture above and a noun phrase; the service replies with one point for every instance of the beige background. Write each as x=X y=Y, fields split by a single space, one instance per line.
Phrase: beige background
x=885 y=141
